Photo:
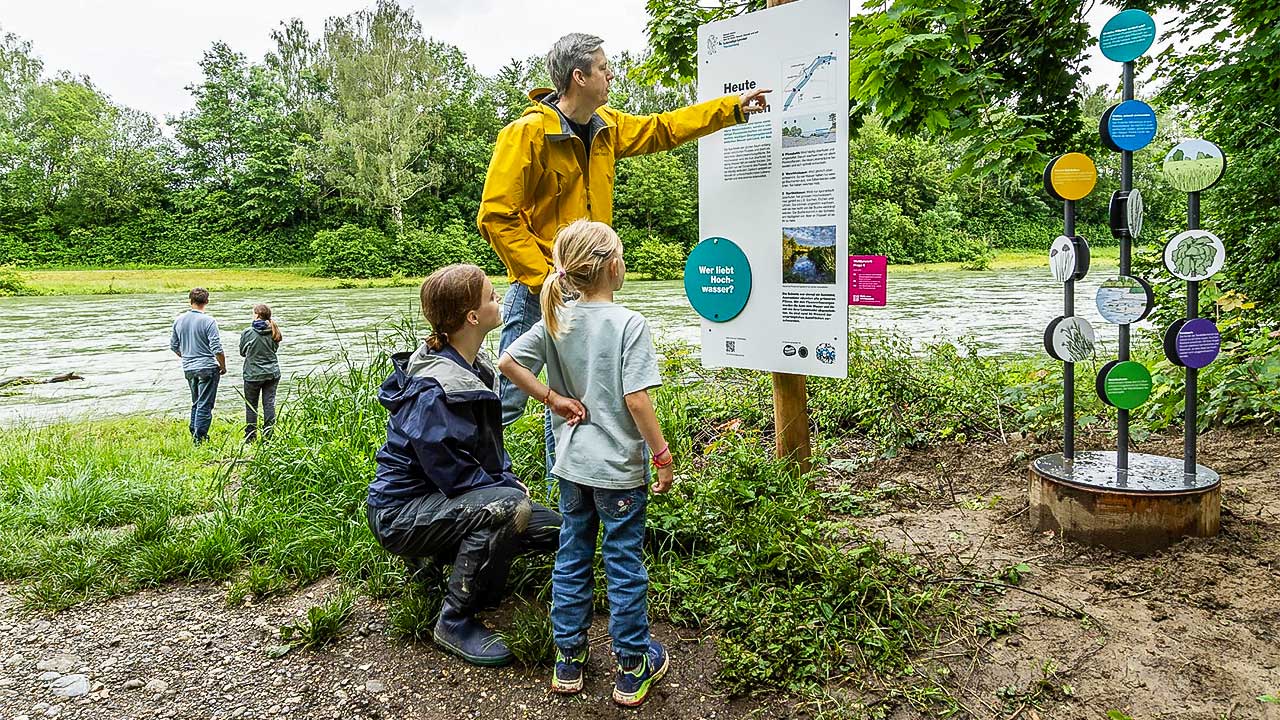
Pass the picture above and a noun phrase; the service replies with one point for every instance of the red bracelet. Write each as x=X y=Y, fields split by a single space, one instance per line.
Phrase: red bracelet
x=546 y=399
x=670 y=461
x=665 y=449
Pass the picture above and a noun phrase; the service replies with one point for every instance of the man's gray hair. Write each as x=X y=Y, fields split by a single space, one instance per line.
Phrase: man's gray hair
x=574 y=51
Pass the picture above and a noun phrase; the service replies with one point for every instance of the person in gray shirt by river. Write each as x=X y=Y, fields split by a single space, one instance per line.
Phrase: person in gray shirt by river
x=258 y=346
x=195 y=339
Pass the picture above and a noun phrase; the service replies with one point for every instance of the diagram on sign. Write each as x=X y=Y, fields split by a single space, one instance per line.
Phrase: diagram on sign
x=809 y=255
x=808 y=81
x=805 y=130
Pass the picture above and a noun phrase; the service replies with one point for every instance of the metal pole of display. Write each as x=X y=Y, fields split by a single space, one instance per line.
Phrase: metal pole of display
x=1069 y=368
x=1193 y=375
x=1126 y=184
x=790 y=398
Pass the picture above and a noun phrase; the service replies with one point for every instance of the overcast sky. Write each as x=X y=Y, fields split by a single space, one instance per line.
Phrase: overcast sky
x=145 y=52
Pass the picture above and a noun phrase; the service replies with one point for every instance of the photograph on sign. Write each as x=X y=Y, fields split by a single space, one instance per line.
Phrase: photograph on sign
x=808 y=130
x=1126 y=214
x=1194 y=255
x=1124 y=300
x=1069 y=339
x=1127 y=36
x=1124 y=384
x=809 y=255
x=1129 y=126
x=778 y=186
x=1194 y=165
x=1070 y=177
x=1192 y=343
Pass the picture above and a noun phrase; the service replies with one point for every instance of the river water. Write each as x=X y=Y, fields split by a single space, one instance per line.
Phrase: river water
x=120 y=343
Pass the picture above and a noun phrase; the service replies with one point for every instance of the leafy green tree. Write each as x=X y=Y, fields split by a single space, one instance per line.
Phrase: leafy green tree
x=1223 y=71
x=998 y=75
x=657 y=194
x=387 y=85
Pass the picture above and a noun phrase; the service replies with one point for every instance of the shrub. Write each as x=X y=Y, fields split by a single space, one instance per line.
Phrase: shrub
x=421 y=251
x=12 y=250
x=659 y=260
x=352 y=251
x=11 y=283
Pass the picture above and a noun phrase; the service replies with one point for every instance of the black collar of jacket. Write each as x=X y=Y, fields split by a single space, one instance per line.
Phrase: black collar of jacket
x=549 y=99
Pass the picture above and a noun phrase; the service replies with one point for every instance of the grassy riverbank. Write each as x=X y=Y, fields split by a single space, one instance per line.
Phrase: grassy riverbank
x=119 y=281
x=123 y=281
x=782 y=572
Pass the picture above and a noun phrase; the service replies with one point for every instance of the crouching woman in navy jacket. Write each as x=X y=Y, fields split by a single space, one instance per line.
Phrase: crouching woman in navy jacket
x=444 y=491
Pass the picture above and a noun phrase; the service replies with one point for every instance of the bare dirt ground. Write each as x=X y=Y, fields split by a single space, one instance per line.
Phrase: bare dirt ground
x=1188 y=633
x=1192 y=632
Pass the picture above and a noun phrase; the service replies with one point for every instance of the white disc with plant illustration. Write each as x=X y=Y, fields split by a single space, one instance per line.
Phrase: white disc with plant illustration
x=1194 y=165
x=1194 y=255
x=1069 y=258
x=1069 y=339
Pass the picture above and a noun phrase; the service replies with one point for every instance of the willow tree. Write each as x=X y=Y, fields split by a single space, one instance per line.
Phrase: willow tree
x=386 y=86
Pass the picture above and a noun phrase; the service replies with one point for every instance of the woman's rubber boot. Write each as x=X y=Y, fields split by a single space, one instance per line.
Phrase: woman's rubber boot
x=459 y=632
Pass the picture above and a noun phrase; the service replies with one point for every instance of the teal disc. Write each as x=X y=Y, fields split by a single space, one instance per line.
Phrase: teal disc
x=717 y=279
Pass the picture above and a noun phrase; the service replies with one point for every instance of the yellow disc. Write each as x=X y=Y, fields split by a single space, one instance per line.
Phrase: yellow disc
x=1073 y=176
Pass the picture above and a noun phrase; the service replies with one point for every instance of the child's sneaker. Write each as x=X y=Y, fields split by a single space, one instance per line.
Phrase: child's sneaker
x=566 y=679
x=632 y=686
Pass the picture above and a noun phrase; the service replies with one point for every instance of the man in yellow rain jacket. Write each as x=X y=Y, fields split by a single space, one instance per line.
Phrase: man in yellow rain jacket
x=555 y=164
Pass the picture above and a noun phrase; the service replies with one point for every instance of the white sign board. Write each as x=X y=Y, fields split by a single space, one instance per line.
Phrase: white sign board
x=778 y=186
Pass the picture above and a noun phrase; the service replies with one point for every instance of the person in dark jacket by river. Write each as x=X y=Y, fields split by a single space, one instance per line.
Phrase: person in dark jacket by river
x=258 y=346
x=444 y=491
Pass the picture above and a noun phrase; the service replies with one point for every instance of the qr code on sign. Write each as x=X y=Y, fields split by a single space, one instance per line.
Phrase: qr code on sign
x=730 y=346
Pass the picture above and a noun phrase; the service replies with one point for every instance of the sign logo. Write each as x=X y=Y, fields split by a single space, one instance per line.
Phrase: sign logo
x=788 y=350
x=827 y=353
x=713 y=44
x=804 y=351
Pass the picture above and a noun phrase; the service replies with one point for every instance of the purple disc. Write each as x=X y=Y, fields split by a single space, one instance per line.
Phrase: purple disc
x=1198 y=343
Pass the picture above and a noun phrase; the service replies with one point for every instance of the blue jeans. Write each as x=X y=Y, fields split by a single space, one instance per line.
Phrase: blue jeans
x=520 y=312
x=204 y=390
x=622 y=512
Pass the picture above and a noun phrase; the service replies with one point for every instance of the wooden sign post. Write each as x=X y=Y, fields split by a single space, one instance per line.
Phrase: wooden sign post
x=791 y=399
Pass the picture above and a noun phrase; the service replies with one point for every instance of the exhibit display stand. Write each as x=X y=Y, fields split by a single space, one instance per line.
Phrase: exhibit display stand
x=770 y=275
x=1129 y=501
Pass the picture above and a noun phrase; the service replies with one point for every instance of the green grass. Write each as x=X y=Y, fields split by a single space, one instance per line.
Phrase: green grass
x=116 y=281
x=1105 y=256
x=130 y=280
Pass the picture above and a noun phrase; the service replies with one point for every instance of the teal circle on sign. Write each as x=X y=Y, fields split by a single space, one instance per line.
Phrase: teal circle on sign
x=717 y=279
x=1127 y=36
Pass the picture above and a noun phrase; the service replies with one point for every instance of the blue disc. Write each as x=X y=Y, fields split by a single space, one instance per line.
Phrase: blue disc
x=1127 y=36
x=717 y=279
x=1131 y=126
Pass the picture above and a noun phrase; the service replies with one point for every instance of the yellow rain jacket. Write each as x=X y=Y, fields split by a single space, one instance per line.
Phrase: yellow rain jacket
x=536 y=184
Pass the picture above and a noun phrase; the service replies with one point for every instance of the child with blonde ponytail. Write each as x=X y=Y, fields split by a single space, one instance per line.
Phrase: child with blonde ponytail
x=600 y=355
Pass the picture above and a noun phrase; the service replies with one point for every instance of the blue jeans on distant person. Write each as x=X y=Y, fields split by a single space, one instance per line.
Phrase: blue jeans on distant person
x=622 y=512
x=520 y=312
x=204 y=390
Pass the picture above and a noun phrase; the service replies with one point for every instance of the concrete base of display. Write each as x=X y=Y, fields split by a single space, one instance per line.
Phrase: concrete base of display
x=1150 y=506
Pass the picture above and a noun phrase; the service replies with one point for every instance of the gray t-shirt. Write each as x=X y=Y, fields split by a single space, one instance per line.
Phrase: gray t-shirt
x=196 y=336
x=605 y=353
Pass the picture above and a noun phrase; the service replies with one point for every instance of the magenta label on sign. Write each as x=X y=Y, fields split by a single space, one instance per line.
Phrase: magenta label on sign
x=868 y=276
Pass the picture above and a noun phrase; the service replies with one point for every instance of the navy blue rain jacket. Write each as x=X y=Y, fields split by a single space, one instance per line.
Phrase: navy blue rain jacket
x=445 y=430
